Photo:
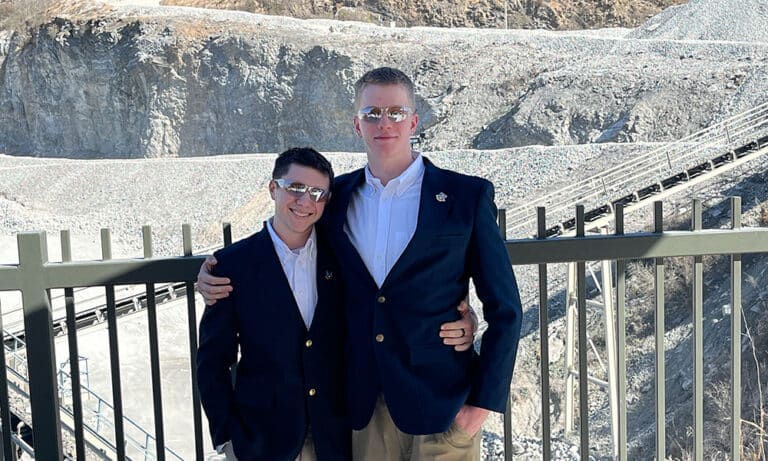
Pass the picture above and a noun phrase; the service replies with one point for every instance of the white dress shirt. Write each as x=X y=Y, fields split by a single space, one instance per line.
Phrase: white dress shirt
x=300 y=267
x=381 y=220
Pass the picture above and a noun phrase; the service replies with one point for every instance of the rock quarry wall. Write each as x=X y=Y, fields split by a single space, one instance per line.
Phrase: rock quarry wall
x=157 y=82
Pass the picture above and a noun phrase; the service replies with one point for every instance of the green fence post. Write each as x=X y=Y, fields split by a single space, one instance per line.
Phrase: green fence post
x=41 y=359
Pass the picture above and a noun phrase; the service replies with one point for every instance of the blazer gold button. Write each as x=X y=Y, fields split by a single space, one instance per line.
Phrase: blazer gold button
x=308 y=343
x=379 y=338
x=381 y=299
x=312 y=392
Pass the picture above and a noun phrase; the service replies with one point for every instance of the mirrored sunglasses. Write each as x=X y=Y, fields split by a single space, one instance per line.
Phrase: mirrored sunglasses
x=373 y=114
x=298 y=190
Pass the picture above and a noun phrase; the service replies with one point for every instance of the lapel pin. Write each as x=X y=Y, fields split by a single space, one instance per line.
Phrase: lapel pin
x=441 y=197
x=328 y=275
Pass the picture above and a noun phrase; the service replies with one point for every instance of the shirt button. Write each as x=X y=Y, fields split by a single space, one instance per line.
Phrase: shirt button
x=381 y=299
x=379 y=338
x=308 y=343
x=312 y=392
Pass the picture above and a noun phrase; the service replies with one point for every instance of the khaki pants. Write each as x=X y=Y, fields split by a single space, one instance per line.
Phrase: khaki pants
x=307 y=451
x=381 y=440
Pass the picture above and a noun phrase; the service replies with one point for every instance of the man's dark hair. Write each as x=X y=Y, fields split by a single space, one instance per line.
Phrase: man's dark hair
x=304 y=156
x=385 y=76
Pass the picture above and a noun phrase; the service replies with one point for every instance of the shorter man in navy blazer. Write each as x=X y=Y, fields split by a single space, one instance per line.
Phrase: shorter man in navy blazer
x=284 y=318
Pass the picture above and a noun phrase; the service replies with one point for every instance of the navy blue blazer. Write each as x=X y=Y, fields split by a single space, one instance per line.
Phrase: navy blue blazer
x=288 y=379
x=393 y=344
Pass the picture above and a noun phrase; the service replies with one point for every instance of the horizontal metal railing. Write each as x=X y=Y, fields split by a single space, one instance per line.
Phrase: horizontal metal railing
x=143 y=447
x=707 y=148
x=97 y=441
x=19 y=369
x=132 y=300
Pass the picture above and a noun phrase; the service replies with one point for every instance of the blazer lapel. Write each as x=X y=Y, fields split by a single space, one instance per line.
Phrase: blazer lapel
x=336 y=213
x=327 y=288
x=435 y=206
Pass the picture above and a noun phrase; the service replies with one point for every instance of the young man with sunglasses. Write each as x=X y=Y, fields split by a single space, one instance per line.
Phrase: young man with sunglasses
x=285 y=320
x=411 y=235
x=285 y=317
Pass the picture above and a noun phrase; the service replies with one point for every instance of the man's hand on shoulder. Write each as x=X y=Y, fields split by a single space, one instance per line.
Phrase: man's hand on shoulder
x=212 y=288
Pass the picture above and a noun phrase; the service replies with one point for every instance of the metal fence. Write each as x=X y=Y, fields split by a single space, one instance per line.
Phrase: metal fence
x=34 y=276
x=51 y=422
x=621 y=248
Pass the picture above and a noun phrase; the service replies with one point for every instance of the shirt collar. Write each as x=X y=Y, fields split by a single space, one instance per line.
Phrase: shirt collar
x=283 y=249
x=406 y=179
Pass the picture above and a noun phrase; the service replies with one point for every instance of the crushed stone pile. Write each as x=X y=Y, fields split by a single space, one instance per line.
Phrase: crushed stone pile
x=719 y=20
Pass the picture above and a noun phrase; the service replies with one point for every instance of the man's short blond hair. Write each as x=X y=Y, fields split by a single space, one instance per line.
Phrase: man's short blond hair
x=385 y=76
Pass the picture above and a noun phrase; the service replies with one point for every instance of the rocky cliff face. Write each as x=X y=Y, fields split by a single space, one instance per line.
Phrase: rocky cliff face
x=134 y=89
x=185 y=82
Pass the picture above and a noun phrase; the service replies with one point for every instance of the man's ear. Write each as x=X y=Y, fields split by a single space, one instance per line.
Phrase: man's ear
x=272 y=188
x=356 y=123
x=414 y=123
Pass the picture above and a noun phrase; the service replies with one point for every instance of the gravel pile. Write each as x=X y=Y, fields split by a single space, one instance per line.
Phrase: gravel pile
x=720 y=20
x=86 y=195
x=526 y=449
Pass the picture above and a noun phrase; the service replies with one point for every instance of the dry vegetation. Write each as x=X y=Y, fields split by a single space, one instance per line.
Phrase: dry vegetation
x=293 y=8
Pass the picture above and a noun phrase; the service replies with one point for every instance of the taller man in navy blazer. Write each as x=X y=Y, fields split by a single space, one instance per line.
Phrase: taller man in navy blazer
x=411 y=236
